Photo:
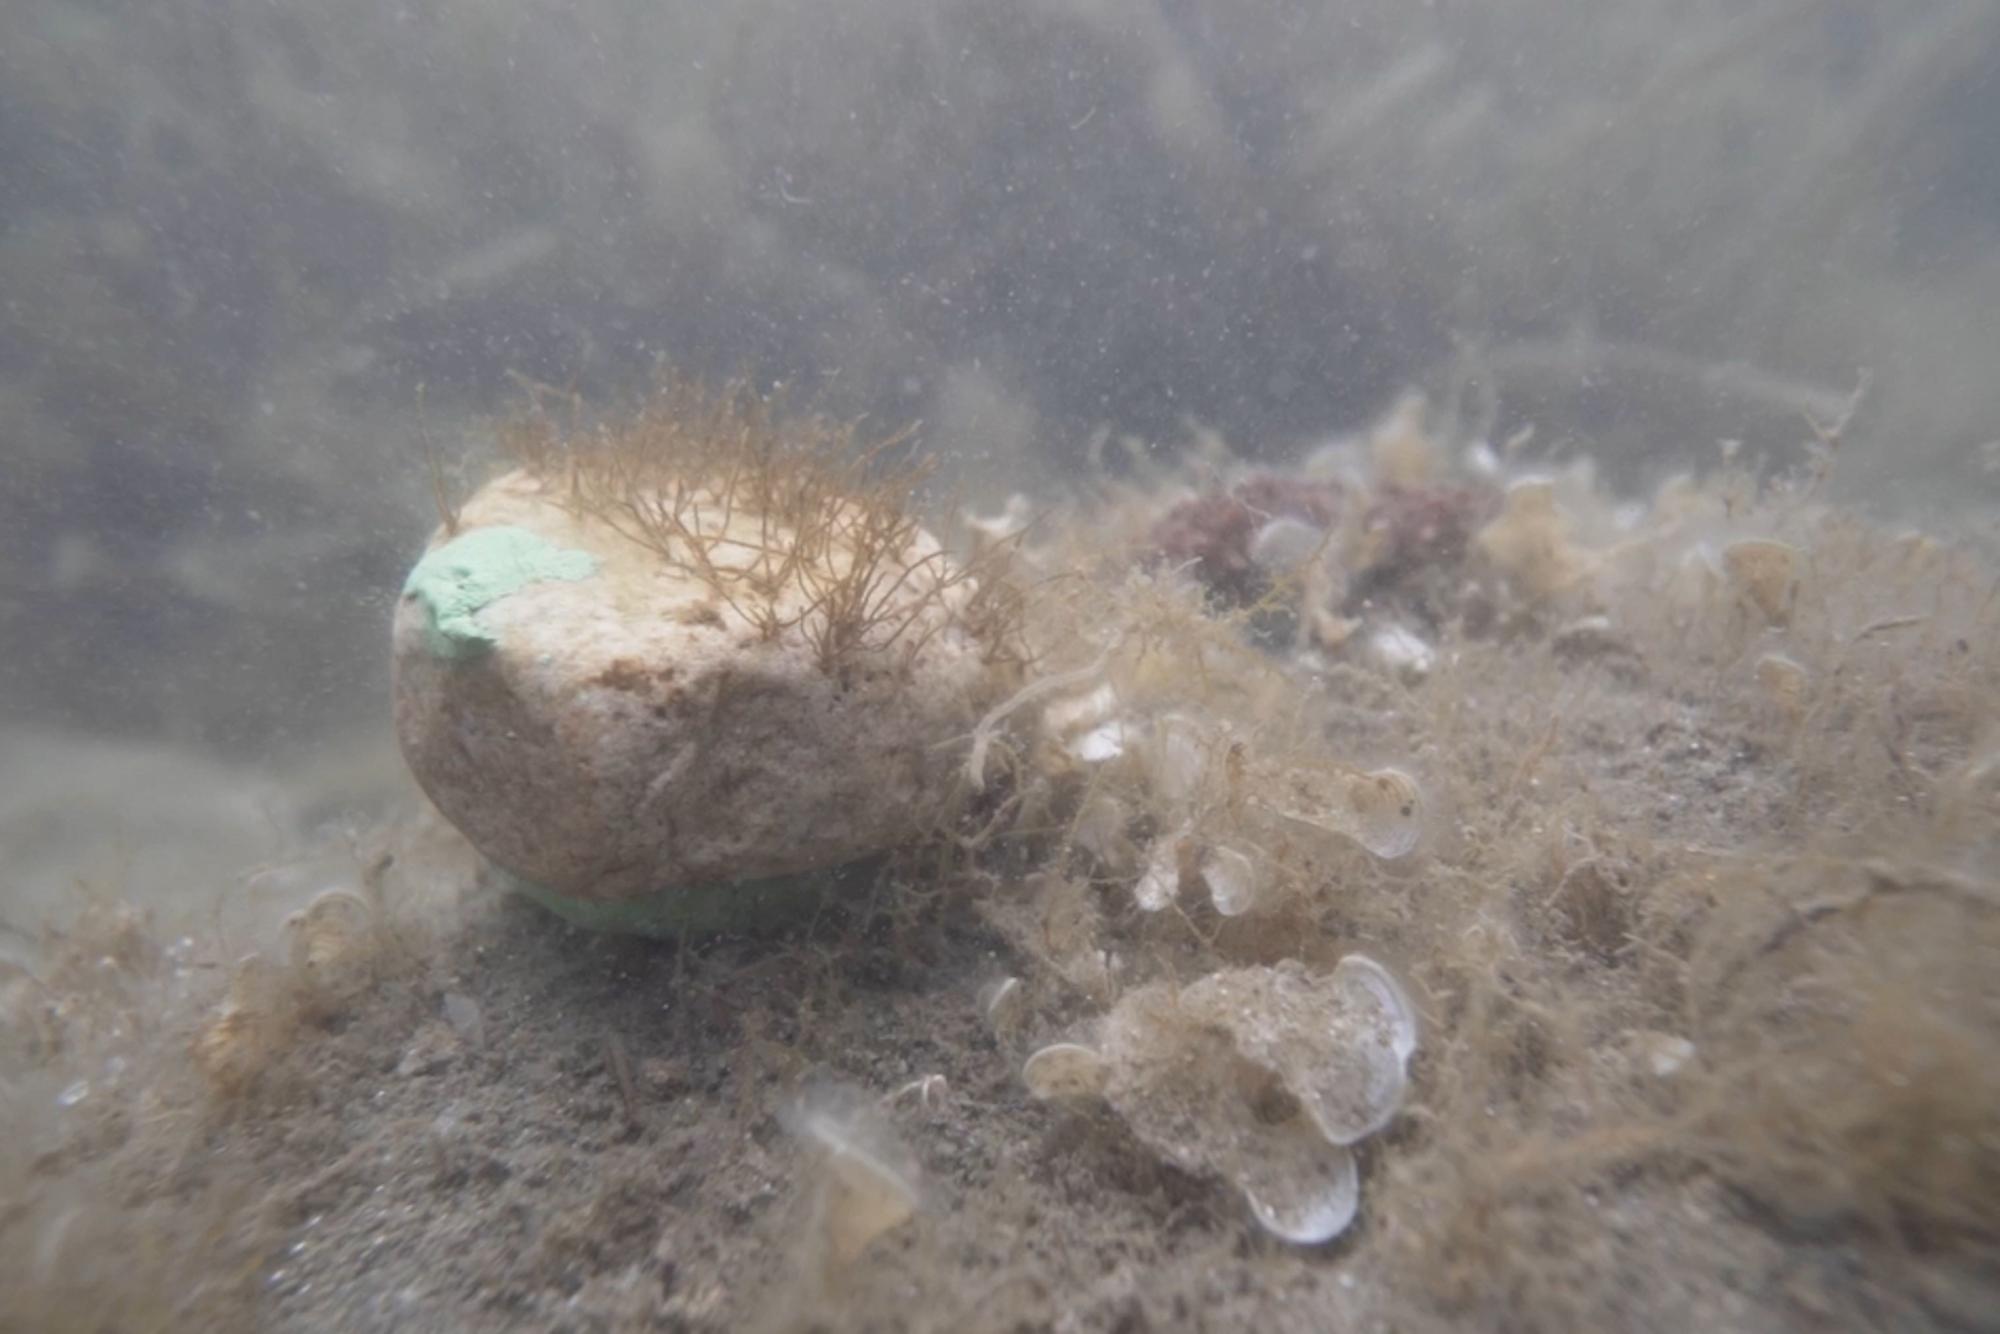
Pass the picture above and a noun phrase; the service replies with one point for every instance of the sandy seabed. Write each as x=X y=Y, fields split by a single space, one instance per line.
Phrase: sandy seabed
x=1705 y=955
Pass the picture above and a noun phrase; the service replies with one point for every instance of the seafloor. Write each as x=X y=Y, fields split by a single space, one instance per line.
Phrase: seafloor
x=1705 y=953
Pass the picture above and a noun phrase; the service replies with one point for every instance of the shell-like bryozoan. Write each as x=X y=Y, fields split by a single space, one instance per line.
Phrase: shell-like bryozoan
x=1784 y=682
x=1284 y=545
x=1233 y=883
x=1339 y=1042
x=1186 y=1093
x=1178 y=758
x=870 y=1183
x=1380 y=809
x=1099 y=830
x=1065 y=1072
x=330 y=942
x=1004 y=1003
x=1375 y=992
x=1766 y=573
x=1303 y=1190
x=1529 y=542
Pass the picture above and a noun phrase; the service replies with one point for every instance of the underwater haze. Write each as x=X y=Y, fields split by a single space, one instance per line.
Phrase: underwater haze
x=1585 y=414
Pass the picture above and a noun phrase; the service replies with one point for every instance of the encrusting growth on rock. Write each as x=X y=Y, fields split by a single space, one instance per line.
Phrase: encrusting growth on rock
x=672 y=663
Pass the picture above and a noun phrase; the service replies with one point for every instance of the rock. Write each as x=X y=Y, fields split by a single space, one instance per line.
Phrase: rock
x=647 y=735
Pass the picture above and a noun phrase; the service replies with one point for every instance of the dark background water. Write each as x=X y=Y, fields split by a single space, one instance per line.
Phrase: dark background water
x=242 y=242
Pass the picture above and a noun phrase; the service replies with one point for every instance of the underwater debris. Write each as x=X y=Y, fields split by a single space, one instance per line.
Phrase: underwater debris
x=673 y=668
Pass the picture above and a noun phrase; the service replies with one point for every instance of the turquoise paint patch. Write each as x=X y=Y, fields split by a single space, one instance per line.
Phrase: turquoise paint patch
x=480 y=567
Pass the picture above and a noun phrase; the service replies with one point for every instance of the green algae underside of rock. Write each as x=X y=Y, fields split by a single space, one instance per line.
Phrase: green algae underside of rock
x=743 y=906
x=477 y=568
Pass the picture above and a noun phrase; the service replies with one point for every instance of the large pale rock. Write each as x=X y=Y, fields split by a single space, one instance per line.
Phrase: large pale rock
x=615 y=729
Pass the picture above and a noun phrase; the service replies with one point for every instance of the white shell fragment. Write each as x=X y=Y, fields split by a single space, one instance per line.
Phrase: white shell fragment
x=1065 y=1072
x=1381 y=809
x=1232 y=880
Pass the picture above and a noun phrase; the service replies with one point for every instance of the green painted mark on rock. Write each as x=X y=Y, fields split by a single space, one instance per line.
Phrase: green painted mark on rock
x=480 y=567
